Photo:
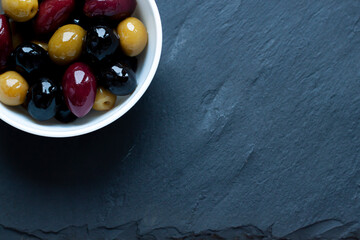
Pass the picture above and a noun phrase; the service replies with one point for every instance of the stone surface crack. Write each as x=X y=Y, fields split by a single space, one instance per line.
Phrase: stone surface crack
x=20 y=232
x=316 y=230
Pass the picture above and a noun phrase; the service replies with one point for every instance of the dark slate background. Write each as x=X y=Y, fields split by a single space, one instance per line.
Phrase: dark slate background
x=250 y=129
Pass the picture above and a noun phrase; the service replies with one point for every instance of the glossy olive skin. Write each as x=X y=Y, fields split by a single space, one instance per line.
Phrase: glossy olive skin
x=65 y=46
x=6 y=42
x=133 y=36
x=79 y=88
x=101 y=43
x=30 y=59
x=13 y=88
x=42 y=99
x=20 y=10
x=114 y=9
x=118 y=79
x=52 y=14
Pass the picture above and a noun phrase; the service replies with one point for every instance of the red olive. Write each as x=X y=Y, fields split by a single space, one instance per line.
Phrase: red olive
x=79 y=88
x=5 y=41
x=115 y=9
x=52 y=14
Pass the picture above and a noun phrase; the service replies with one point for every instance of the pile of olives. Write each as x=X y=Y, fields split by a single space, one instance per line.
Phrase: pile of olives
x=62 y=58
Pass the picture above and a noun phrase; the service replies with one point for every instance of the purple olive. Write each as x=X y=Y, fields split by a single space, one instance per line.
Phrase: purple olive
x=114 y=9
x=79 y=88
x=5 y=41
x=52 y=14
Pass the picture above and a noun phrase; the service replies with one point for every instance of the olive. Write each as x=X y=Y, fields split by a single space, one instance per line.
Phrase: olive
x=52 y=14
x=6 y=42
x=30 y=59
x=44 y=45
x=101 y=43
x=20 y=10
x=79 y=88
x=66 y=44
x=133 y=36
x=63 y=113
x=42 y=99
x=118 y=79
x=13 y=88
x=114 y=9
x=104 y=100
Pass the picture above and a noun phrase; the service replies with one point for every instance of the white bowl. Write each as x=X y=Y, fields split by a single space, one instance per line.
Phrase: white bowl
x=146 y=11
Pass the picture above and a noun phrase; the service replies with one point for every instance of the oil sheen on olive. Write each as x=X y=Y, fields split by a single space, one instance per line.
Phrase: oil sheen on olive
x=20 y=10
x=30 y=59
x=13 y=88
x=79 y=88
x=118 y=79
x=65 y=46
x=42 y=99
x=133 y=36
x=52 y=14
x=101 y=43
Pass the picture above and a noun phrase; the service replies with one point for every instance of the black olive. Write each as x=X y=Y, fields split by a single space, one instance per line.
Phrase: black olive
x=100 y=44
x=63 y=113
x=30 y=59
x=118 y=79
x=42 y=99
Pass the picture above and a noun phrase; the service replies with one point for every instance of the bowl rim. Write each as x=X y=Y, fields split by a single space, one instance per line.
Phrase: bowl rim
x=117 y=114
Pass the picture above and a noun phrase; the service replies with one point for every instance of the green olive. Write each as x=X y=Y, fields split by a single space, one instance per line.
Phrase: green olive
x=66 y=44
x=13 y=88
x=20 y=10
x=133 y=36
x=104 y=100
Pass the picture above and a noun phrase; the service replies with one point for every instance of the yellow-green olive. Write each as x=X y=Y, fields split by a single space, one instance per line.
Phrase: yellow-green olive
x=13 y=88
x=66 y=44
x=104 y=100
x=20 y=10
x=133 y=36
x=44 y=45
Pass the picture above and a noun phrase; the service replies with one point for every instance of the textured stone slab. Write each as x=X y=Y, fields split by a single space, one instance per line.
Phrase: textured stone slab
x=250 y=128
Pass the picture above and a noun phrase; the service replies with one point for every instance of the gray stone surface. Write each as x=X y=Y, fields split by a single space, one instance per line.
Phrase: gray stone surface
x=250 y=129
